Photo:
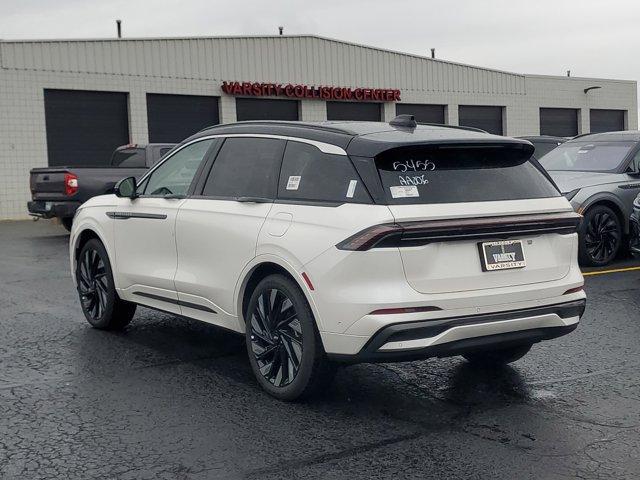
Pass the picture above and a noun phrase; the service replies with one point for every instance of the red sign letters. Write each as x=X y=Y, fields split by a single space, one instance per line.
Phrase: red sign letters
x=311 y=92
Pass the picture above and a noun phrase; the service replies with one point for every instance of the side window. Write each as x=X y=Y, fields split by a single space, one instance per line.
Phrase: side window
x=129 y=158
x=174 y=176
x=311 y=175
x=245 y=167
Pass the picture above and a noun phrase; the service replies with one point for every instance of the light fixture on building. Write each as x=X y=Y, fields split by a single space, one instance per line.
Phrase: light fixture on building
x=591 y=88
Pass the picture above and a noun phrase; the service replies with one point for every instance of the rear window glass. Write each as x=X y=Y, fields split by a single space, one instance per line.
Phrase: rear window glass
x=310 y=175
x=129 y=158
x=443 y=174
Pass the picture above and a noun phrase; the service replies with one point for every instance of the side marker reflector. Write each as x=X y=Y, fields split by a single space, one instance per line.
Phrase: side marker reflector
x=307 y=281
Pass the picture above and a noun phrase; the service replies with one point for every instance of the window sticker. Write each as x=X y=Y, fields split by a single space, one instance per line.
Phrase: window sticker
x=352 y=188
x=294 y=182
x=404 y=191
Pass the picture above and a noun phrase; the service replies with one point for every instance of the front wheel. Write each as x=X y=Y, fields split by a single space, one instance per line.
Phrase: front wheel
x=498 y=357
x=284 y=346
x=600 y=237
x=101 y=305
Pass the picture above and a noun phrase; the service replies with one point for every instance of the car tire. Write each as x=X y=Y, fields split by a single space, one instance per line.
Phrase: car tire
x=600 y=237
x=498 y=357
x=67 y=223
x=101 y=305
x=283 y=343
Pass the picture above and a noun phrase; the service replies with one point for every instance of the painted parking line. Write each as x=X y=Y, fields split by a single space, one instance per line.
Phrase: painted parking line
x=613 y=270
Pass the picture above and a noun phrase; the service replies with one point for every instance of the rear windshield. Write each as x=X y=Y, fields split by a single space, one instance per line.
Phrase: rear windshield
x=129 y=158
x=587 y=156
x=442 y=174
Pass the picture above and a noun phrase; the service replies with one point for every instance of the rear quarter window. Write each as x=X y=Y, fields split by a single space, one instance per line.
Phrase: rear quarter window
x=452 y=174
x=311 y=175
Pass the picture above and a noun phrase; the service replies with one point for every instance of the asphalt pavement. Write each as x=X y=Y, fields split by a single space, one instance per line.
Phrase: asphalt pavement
x=170 y=398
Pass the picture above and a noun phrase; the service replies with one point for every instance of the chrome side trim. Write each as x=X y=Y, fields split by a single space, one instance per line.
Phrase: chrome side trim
x=322 y=146
x=128 y=215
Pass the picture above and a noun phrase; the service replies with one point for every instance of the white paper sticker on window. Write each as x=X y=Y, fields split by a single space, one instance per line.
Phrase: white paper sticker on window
x=404 y=191
x=294 y=182
x=352 y=188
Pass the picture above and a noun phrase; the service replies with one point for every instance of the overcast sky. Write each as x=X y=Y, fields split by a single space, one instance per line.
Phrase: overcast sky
x=591 y=38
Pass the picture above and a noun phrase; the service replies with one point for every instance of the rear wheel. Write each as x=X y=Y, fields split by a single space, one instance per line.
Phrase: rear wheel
x=600 y=236
x=284 y=346
x=98 y=297
x=498 y=357
x=67 y=223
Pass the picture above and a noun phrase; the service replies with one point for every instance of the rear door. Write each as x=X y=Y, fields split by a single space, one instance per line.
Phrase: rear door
x=464 y=188
x=217 y=230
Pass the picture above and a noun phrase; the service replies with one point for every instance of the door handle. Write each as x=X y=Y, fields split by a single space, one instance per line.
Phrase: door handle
x=254 y=200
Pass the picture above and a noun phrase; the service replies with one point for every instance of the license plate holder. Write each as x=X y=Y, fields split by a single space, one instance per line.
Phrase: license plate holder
x=501 y=255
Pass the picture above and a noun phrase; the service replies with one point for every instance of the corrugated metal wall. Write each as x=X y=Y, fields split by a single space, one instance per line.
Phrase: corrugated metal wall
x=298 y=59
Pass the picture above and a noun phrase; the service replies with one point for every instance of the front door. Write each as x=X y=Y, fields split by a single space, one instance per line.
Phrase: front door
x=145 y=233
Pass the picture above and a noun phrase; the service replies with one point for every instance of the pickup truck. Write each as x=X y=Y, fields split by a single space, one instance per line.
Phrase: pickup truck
x=59 y=191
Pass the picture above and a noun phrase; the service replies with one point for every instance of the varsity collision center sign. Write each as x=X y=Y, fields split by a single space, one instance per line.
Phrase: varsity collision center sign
x=311 y=92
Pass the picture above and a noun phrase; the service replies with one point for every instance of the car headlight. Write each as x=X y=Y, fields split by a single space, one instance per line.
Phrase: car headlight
x=636 y=203
x=571 y=194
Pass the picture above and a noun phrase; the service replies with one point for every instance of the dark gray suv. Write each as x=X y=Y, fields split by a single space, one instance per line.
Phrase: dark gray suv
x=600 y=175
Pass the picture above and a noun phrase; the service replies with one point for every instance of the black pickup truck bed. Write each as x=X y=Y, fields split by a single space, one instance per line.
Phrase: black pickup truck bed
x=59 y=191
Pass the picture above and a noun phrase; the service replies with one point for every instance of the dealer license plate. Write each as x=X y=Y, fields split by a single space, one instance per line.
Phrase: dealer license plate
x=502 y=255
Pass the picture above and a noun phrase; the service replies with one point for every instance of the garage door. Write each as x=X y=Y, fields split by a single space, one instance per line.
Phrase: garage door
x=560 y=122
x=423 y=113
x=354 y=111
x=264 y=109
x=83 y=127
x=172 y=118
x=606 y=120
x=486 y=118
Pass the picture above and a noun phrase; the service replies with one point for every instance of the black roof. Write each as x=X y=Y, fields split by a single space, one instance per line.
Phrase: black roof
x=365 y=138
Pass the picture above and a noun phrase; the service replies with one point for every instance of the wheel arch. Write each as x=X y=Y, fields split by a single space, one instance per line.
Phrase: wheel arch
x=260 y=268
x=80 y=238
x=611 y=202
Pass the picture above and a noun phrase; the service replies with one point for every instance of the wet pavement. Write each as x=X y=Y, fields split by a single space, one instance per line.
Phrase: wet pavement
x=170 y=398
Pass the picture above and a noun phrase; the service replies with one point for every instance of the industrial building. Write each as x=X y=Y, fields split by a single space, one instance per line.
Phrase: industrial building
x=71 y=102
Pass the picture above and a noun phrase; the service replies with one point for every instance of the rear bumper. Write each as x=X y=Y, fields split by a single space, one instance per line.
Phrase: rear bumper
x=44 y=209
x=457 y=335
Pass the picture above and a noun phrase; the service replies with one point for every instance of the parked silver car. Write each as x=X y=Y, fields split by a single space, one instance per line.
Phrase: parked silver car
x=600 y=175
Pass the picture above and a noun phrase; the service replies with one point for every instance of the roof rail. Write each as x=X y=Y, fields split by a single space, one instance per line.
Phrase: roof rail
x=282 y=123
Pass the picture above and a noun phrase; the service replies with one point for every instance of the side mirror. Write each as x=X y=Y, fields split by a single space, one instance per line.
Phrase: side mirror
x=126 y=188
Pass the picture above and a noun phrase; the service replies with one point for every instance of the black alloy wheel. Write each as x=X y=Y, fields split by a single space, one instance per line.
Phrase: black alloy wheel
x=283 y=342
x=93 y=283
x=276 y=337
x=101 y=305
x=601 y=236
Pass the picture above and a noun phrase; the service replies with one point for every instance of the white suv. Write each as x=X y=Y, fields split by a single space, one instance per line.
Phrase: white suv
x=339 y=242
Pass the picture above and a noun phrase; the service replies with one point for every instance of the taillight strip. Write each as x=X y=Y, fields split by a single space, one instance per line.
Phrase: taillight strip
x=424 y=232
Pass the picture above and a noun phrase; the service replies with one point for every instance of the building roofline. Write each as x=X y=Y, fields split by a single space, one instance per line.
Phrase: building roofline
x=276 y=37
x=590 y=79
x=312 y=36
